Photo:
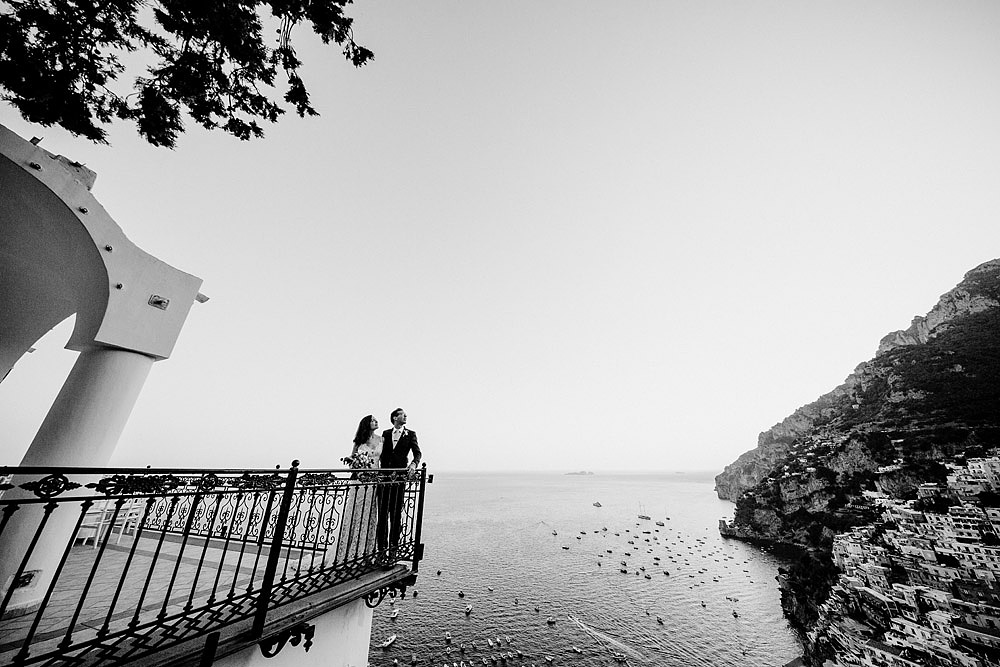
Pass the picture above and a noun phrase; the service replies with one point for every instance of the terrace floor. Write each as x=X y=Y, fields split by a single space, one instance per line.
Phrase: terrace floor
x=120 y=604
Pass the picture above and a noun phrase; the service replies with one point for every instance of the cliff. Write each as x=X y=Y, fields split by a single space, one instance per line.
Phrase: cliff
x=913 y=382
x=930 y=394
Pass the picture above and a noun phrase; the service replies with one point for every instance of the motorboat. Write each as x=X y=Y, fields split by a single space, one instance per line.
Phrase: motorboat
x=388 y=642
x=468 y=609
x=597 y=504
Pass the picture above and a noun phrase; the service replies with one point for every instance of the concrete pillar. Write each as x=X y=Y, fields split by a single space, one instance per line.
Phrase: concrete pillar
x=81 y=429
x=88 y=416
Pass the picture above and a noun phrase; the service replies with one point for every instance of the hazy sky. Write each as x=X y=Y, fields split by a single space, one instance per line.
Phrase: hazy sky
x=561 y=235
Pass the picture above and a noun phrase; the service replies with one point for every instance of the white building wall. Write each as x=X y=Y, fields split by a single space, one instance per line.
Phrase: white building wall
x=342 y=639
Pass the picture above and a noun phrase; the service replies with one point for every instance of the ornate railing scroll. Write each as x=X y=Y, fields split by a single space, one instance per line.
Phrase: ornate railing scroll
x=148 y=559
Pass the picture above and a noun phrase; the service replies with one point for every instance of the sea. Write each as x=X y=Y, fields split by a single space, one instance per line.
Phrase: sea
x=540 y=563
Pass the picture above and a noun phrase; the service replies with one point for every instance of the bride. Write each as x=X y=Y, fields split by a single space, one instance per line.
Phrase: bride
x=357 y=530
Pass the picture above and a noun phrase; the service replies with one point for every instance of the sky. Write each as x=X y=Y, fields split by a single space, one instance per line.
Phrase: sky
x=561 y=235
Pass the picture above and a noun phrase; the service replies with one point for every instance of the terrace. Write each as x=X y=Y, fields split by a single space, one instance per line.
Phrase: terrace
x=184 y=567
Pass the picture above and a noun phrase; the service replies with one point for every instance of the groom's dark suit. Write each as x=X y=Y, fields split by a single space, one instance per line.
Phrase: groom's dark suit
x=390 y=493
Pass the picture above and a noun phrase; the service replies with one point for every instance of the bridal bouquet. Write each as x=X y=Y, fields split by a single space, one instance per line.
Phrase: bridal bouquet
x=363 y=459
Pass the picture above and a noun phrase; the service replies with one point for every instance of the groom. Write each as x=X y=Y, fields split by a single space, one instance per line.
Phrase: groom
x=397 y=443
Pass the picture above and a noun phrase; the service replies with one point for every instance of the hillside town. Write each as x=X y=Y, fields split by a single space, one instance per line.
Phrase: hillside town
x=919 y=588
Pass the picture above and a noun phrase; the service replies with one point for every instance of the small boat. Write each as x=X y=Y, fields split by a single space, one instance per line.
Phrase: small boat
x=394 y=614
x=447 y=636
x=388 y=642
x=735 y=615
x=660 y=523
x=489 y=588
x=647 y=576
x=644 y=517
x=577 y=649
x=550 y=620
x=659 y=620
x=554 y=532
x=489 y=641
x=468 y=609
x=597 y=504
x=461 y=594
x=507 y=639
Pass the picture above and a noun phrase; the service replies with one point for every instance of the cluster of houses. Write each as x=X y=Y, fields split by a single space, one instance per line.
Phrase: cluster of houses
x=921 y=588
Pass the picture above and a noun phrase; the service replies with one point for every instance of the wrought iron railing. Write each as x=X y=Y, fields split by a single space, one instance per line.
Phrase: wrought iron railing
x=105 y=566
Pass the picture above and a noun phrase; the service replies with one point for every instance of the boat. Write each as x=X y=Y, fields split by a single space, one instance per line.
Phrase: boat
x=489 y=588
x=468 y=609
x=660 y=523
x=447 y=636
x=659 y=620
x=489 y=641
x=577 y=649
x=388 y=642
x=647 y=576
x=550 y=620
x=554 y=532
x=461 y=594
x=394 y=614
x=597 y=504
x=735 y=615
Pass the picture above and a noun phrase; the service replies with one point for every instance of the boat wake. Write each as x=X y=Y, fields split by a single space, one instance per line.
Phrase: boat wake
x=608 y=642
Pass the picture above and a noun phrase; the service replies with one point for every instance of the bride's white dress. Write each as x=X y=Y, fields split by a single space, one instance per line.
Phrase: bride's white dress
x=359 y=513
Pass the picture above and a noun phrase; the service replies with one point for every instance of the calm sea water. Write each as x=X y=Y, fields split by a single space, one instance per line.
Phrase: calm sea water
x=486 y=531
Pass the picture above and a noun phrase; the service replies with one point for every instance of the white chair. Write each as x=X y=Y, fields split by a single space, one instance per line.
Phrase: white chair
x=100 y=516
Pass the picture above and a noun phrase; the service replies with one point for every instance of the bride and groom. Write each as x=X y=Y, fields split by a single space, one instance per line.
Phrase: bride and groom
x=390 y=449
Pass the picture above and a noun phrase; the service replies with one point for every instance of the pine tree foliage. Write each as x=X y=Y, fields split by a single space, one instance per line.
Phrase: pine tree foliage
x=60 y=62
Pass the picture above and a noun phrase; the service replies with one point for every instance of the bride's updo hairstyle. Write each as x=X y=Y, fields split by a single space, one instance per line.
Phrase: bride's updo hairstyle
x=364 y=430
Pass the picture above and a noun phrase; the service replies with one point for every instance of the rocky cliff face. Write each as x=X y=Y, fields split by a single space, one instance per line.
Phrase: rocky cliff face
x=881 y=387
x=931 y=394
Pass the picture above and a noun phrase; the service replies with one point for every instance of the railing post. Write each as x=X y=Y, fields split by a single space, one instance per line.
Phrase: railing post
x=260 y=617
x=418 y=548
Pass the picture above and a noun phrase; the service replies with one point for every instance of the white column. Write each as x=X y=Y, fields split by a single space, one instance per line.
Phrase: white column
x=89 y=414
x=81 y=429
